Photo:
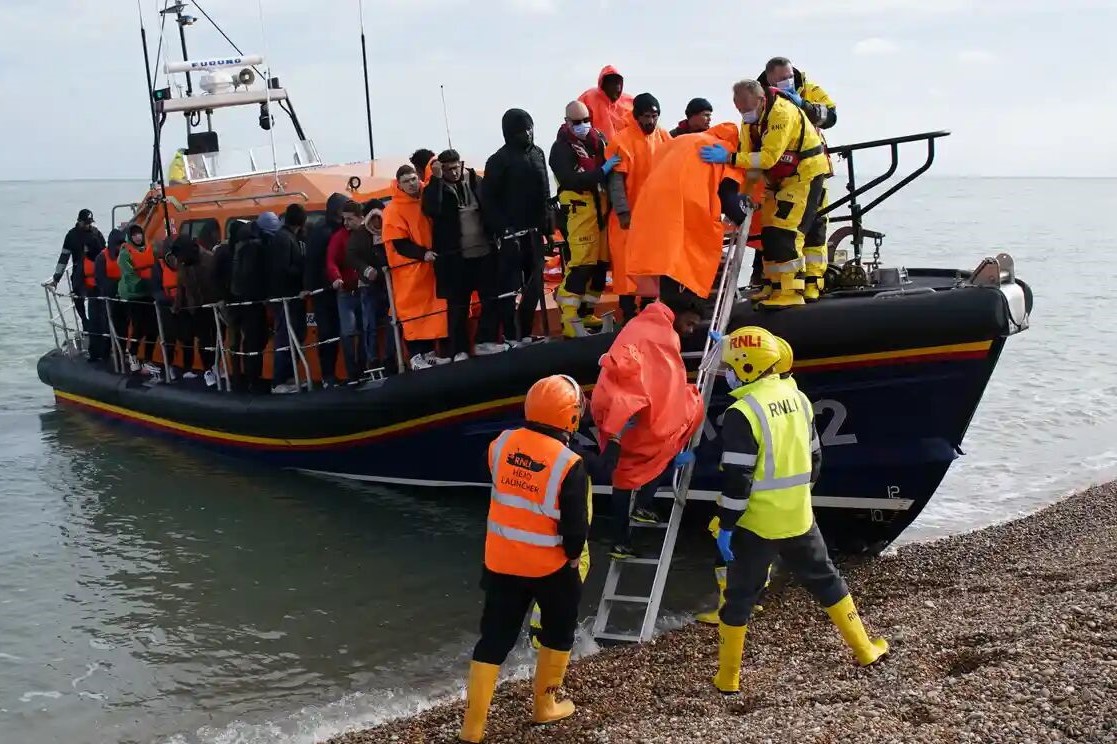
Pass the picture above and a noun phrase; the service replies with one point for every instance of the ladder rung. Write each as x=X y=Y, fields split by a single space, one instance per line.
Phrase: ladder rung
x=626 y=637
x=627 y=598
x=648 y=525
x=638 y=561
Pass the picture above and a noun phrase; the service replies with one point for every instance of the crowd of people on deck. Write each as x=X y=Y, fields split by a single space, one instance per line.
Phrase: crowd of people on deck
x=647 y=206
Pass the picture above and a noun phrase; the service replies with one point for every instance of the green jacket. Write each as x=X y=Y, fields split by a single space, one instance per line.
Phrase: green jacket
x=131 y=286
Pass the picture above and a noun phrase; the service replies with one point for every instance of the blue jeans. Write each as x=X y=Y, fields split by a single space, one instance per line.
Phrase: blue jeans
x=349 y=308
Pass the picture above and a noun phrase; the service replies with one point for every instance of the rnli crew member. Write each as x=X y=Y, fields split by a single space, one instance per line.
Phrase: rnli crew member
x=823 y=113
x=609 y=106
x=164 y=290
x=698 y=112
x=789 y=151
x=578 y=161
x=636 y=146
x=515 y=193
x=645 y=409
x=408 y=239
x=83 y=239
x=770 y=460
x=136 y=261
x=783 y=369
x=107 y=273
x=537 y=530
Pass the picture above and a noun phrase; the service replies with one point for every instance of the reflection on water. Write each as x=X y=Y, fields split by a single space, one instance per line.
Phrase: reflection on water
x=149 y=591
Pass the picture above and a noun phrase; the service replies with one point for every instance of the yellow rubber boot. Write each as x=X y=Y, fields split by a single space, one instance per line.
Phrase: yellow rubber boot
x=788 y=294
x=568 y=307
x=478 y=698
x=711 y=617
x=812 y=288
x=844 y=615
x=550 y=669
x=815 y=258
x=590 y=319
x=731 y=647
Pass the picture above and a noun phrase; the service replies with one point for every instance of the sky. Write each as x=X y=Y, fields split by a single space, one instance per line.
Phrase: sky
x=1025 y=87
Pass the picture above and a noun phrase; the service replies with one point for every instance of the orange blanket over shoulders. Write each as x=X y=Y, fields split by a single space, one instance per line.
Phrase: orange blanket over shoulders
x=420 y=311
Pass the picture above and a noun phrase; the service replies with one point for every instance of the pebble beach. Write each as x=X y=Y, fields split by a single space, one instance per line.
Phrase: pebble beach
x=1007 y=634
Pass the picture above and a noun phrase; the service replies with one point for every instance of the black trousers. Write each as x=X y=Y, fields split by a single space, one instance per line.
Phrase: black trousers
x=254 y=334
x=472 y=275
x=622 y=504
x=507 y=602
x=521 y=268
x=328 y=322
x=98 y=329
x=145 y=328
x=805 y=556
x=198 y=324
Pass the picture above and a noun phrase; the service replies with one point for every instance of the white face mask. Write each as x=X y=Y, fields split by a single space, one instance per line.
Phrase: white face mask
x=731 y=378
x=581 y=131
x=750 y=117
x=788 y=84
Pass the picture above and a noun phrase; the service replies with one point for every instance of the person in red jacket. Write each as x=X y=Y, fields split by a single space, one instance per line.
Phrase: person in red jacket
x=344 y=280
x=645 y=409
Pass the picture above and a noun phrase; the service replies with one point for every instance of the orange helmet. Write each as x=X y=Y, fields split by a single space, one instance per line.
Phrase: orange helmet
x=556 y=401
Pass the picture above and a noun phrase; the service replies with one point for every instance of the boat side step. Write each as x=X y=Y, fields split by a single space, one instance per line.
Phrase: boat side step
x=626 y=598
x=648 y=525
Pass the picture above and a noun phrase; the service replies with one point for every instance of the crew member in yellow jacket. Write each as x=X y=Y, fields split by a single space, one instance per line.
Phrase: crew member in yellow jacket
x=787 y=149
x=770 y=459
x=821 y=111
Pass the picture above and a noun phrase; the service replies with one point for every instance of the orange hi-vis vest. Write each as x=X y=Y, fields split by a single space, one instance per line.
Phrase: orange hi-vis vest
x=89 y=277
x=528 y=469
x=170 y=279
x=143 y=259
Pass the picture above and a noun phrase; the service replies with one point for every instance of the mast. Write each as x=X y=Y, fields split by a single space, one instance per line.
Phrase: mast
x=157 y=156
x=368 y=99
x=183 y=20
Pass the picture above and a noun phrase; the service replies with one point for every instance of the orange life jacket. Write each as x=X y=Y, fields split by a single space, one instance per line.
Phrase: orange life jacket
x=112 y=268
x=528 y=469
x=90 y=278
x=170 y=279
x=143 y=259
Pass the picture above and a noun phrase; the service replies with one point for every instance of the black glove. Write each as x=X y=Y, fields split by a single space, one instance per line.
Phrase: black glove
x=609 y=458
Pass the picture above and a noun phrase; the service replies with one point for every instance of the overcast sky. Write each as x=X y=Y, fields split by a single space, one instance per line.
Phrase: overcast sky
x=1026 y=87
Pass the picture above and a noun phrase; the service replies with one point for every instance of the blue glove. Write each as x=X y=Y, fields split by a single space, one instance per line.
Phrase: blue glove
x=684 y=458
x=724 y=537
x=714 y=154
x=716 y=336
x=795 y=97
x=610 y=164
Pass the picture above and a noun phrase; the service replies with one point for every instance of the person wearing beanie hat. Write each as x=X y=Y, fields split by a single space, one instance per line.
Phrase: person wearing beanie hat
x=636 y=145
x=698 y=113
x=269 y=223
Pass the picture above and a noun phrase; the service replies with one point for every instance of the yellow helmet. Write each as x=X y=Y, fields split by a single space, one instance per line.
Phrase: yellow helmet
x=787 y=357
x=750 y=353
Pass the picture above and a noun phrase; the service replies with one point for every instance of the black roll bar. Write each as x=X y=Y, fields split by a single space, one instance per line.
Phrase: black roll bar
x=857 y=211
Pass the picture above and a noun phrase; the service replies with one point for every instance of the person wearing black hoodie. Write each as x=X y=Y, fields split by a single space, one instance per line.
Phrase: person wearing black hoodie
x=107 y=273
x=515 y=193
x=326 y=317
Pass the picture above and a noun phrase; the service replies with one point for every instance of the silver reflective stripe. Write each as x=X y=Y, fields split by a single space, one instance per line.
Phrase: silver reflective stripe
x=787 y=266
x=808 y=412
x=554 y=483
x=732 y=504
x=498 y=450
x=519 y=502
x=816 y=445
x=523 y=536
x=813 y=259
x=737 y=458
x=769 y=483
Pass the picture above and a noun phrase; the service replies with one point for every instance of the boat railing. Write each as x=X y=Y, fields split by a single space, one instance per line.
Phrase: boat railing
x=210 y=166
x=73 y=337
x=854 y=191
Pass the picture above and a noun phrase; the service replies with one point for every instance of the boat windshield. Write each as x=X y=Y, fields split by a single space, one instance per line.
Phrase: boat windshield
x=208 y=166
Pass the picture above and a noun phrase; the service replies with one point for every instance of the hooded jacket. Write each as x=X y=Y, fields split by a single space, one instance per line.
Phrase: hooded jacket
x=608 y=116
x=106 y=286
x=817 y=104
x=317 y=244
x=78 y=244
x=286 y=263
x=516 y=188
x=643 y=397
x=407 y=233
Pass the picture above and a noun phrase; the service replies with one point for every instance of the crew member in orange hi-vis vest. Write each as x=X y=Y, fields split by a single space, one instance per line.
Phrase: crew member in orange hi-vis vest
x=537 y=528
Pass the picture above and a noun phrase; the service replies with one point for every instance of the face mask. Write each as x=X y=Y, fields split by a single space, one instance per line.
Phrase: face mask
x=581 y=131
x=788 y=84
x=750 y=117
x=731 y=378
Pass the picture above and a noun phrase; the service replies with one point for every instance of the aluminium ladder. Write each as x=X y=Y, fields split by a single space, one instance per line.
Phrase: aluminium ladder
x=707 y=375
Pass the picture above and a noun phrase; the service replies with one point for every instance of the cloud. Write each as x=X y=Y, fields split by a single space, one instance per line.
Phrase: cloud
x=977 y=56
x=875 y=47
x=814 y=9
x=535 y=6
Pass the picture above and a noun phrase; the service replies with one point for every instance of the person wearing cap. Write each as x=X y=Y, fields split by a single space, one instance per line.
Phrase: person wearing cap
x=698 y=112
x=82 y=241
x=516 y=191
x=610 y=107
x=537 y=528
x=636 y=145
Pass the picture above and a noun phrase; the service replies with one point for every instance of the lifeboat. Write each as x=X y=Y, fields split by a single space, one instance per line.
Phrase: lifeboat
x=894 y=359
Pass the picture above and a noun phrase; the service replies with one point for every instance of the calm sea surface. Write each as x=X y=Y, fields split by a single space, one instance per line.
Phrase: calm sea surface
x=150 y=593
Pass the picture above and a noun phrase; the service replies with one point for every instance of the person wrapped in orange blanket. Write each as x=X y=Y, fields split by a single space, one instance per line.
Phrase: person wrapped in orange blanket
x=407 y=239
x=645 y=410
x=677 y=230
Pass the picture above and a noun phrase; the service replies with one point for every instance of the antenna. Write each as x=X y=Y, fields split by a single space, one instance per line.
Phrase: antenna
x=157 y=165
x=265 y=108
x=364 y=60
x=445 y=116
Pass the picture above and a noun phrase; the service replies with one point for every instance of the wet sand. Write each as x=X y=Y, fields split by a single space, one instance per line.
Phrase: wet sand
x=1008 y=634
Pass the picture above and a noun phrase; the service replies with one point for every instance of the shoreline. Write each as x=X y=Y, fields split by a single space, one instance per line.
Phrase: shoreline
x=1006 y=634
